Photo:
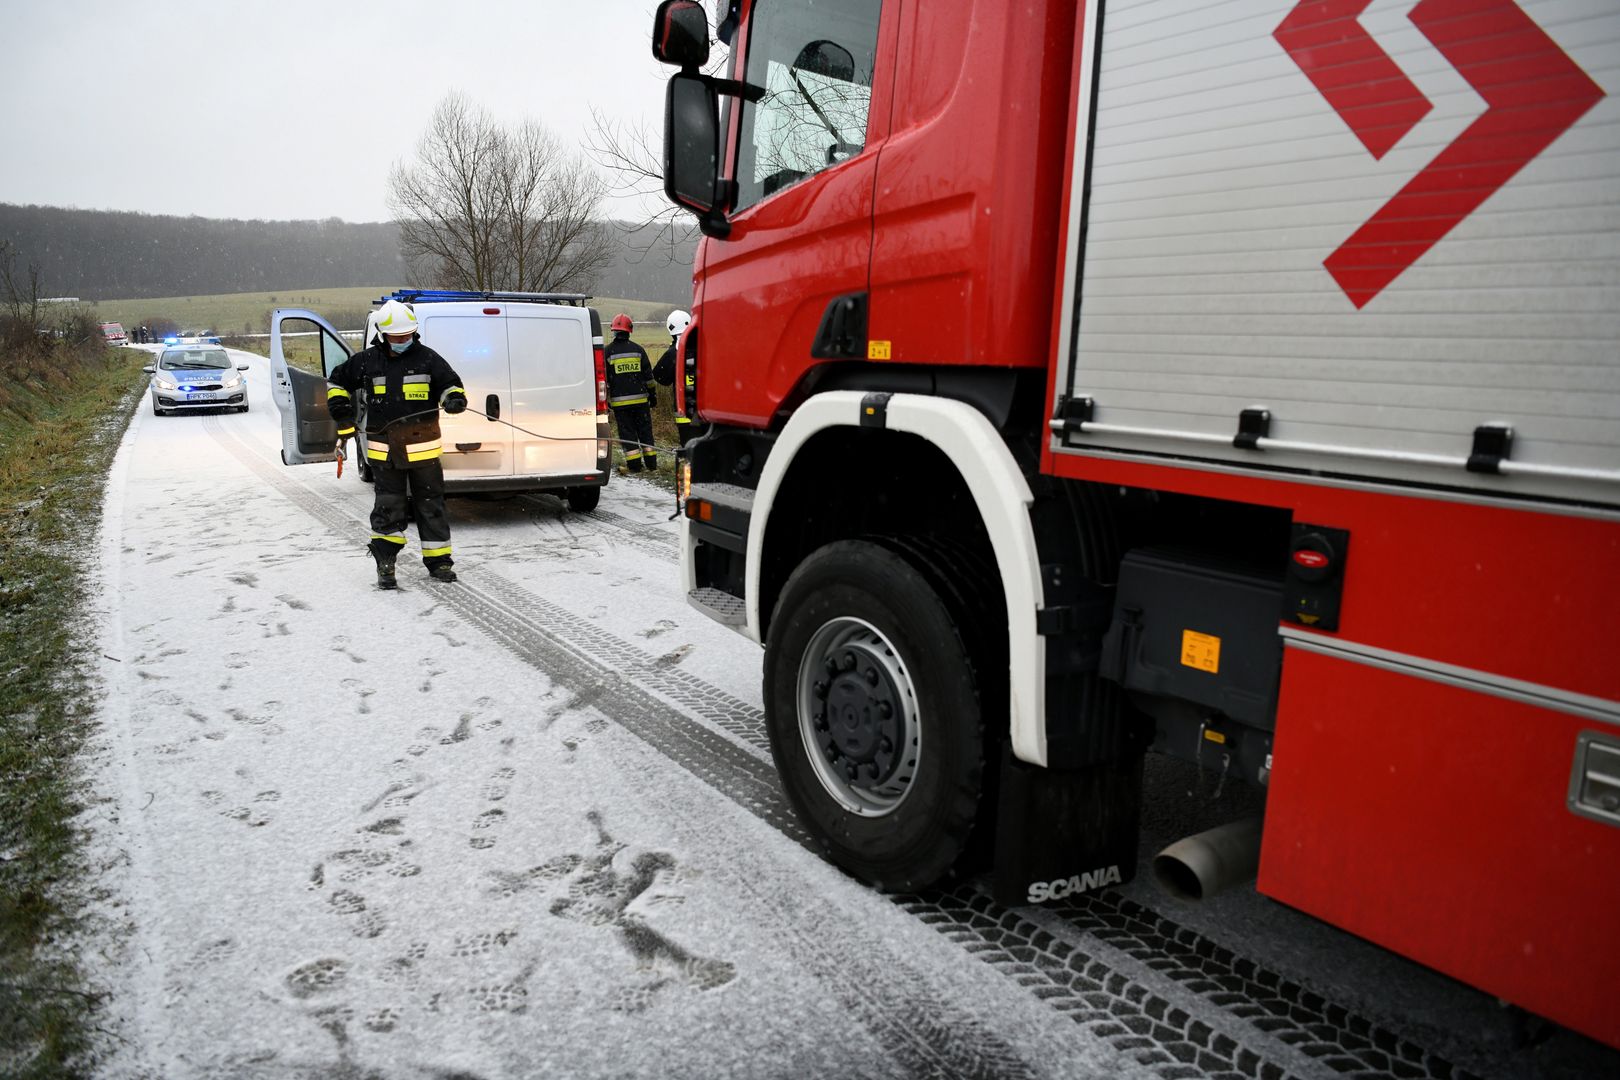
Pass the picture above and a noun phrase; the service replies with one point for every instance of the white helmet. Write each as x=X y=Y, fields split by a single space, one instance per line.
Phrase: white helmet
x=677 y=323
x=396 y=318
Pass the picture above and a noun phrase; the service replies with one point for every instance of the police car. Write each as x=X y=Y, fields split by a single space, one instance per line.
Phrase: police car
x=197 y=376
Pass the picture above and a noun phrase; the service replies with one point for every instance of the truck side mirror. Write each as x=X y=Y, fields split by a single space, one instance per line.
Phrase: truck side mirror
x=681 y=34
x=828 y=59
x=692 y=148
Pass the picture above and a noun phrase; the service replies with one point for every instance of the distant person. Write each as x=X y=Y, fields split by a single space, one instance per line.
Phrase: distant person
x=405 y=383
x=632 y=394
x=664 y=373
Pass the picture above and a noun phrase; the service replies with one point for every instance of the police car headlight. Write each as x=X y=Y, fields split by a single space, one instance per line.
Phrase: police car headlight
x=164 y=384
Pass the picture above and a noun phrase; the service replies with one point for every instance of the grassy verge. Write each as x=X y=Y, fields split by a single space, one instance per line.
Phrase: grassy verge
x=60 y=424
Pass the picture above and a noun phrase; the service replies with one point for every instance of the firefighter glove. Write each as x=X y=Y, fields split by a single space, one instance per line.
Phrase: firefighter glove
x=455 y=402
x=342 y=410
x=652 y=395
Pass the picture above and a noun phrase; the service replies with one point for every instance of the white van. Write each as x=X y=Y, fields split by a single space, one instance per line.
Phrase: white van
x=533 y=360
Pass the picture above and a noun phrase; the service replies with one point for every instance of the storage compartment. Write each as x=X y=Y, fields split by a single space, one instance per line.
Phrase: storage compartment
x=1198 y=627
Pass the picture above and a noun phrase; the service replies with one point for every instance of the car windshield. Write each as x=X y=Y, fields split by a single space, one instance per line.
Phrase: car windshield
x=195 y=360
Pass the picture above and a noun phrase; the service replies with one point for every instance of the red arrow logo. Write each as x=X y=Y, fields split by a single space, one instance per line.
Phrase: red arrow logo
x=1360 y=81
x=1533 y=92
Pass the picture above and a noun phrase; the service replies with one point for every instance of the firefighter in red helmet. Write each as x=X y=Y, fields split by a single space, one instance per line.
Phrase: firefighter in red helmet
x=631 y=394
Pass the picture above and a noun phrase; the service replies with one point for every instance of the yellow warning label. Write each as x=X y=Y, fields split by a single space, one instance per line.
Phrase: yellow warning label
x=877 y=350
x=1214 y=736
x=1201 y=651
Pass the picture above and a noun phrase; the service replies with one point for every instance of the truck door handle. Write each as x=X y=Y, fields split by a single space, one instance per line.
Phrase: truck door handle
x=492 y=406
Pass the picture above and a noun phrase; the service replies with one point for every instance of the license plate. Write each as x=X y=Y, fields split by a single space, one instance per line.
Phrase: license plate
x=200 y=397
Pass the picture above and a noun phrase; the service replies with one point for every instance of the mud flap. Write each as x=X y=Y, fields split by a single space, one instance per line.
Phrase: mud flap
x=1061 y=832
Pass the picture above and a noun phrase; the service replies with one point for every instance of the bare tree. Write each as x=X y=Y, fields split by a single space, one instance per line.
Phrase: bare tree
x=19 y=293
x=633 y=155
x=486 y=208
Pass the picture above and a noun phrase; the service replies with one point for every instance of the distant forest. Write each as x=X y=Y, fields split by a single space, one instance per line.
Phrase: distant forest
x=105 y=255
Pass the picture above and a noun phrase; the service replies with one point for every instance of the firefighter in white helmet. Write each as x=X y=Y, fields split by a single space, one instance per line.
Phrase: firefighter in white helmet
x=668 y=364
x=404 y=385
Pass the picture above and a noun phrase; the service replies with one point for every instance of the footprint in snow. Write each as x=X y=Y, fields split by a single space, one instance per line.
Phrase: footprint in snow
x=487 y=823
x=317 y=976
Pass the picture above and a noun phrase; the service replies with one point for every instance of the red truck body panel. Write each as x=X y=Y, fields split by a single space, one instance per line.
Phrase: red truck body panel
x=1423 y=760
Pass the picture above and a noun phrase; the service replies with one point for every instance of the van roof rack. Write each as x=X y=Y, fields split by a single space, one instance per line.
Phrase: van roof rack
x=429 y=296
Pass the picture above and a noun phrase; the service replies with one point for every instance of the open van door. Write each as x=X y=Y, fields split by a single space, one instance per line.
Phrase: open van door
x=301 y=342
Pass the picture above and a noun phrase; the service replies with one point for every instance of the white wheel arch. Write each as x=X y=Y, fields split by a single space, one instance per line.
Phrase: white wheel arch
x=1003 y=497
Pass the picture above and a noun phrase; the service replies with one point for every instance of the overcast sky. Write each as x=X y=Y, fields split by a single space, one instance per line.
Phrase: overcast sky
x=291 y=110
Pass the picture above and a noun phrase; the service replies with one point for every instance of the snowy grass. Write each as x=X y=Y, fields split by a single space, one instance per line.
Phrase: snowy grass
x=231 y=313
x=57 y=439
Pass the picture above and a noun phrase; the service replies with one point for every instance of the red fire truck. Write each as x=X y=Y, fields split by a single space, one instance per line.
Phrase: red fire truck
x=1239 y=382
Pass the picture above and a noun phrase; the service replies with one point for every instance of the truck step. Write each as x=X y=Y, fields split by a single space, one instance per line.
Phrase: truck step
x=719 y=605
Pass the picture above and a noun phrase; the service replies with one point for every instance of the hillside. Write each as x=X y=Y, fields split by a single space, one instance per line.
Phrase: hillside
x=99 y=254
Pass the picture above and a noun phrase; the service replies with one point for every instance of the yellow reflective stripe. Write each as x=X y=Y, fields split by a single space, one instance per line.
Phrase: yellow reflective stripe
x=377 y=452
x=345 y=431
x=423 y=455
x=335 y=391
x=428 y=553
x=682 y=420
x=616 y=402
x=631 y=455
x=392 y=538
x=452 y=390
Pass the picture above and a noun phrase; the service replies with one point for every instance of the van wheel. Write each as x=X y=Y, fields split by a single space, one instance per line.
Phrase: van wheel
x=874 y=718
x=583 y=499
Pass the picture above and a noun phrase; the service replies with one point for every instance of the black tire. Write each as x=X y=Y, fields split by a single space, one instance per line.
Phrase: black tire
x=157 y=411
x=583 y=499
x=909 y=815
x=244 y=407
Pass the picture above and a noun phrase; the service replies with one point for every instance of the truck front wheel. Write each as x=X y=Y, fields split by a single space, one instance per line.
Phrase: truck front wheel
x=874 y=717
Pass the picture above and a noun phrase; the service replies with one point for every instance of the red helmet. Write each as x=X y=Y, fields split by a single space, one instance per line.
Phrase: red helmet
x=621 y=321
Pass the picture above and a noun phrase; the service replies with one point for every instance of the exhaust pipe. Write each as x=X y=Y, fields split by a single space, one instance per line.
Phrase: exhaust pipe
x=1204 y=864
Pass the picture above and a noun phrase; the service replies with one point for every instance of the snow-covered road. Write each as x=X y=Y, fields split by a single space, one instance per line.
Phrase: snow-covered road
x=527 y=825
x=358 y=833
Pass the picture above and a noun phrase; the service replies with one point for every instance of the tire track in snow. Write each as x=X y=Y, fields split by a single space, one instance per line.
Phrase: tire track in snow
x=660 y=545
x=1187 y=1008
x=881 y=995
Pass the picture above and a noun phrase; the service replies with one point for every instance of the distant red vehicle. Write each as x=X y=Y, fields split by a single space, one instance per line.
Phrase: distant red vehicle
x=114 y=334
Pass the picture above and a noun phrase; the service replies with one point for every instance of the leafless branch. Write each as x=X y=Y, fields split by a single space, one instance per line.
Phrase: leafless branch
x=483 y=207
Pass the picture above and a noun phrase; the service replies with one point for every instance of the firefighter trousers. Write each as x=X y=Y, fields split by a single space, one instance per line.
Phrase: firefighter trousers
x=686 y=431
x=405 y=495
x=636 y=436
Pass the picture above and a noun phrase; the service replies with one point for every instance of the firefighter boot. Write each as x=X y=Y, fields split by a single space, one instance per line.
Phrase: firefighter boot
x=385 y=574
x=440 y=571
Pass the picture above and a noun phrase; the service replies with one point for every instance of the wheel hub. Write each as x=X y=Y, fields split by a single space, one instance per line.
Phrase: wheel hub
x=862 y=720
x=857 y=713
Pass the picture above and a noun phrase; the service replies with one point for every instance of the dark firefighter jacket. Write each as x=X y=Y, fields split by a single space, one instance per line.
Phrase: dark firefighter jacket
x=417 y=381
x=664 y=373
x=629 y=373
